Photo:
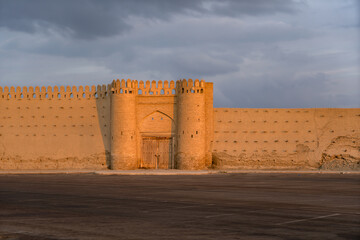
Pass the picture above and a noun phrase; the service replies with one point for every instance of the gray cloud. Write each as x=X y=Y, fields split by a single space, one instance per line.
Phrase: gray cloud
x=88 y=19
x=313 y=90
x=283 y=54
x=255 y=7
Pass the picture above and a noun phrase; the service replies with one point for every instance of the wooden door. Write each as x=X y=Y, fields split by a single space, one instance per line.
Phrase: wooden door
x=149 y=150
x=164 y=153
x=156 y=153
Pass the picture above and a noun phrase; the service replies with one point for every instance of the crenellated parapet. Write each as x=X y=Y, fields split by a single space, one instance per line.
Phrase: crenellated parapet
x=124 y=87
x=147 y=88
x=62 y=92
x=190 y=86
x=156 y=88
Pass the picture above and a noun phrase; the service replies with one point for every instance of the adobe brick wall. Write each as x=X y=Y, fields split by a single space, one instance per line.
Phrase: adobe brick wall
x=55 y=129
x=103 y=127
x=286 y=138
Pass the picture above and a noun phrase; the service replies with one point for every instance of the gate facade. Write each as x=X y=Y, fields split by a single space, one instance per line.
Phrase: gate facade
x=157 y=153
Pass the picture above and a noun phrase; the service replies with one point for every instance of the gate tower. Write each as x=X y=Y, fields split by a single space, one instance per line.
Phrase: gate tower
x=123 y=125
x=191 y=117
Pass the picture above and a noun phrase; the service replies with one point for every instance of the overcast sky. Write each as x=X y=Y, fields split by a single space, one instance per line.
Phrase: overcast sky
x=258 y=53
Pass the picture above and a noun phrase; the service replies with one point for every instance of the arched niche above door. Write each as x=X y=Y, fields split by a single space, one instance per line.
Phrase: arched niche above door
x=157 y=124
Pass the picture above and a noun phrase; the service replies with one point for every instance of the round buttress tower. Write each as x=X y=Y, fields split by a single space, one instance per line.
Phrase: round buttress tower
x=191 y=135
x=123 y=126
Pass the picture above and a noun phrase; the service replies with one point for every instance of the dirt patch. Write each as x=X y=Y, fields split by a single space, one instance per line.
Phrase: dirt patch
x=340 y=162
x=343 y=153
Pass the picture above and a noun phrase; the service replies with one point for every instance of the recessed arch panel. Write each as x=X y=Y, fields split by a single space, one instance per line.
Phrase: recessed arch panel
x=157 y=124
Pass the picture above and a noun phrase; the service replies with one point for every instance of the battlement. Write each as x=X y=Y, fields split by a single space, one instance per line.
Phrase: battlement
x=62 y=92
x=190 y=86
x=147 y=88
x=155 y=88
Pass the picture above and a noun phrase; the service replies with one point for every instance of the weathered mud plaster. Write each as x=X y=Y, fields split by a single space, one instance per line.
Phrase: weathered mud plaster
x=286 y=138
x=131 y=124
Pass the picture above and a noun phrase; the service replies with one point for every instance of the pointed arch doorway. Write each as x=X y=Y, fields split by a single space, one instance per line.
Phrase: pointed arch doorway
x=157 y=141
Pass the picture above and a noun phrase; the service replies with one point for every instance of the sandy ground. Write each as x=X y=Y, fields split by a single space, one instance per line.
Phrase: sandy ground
x=210 y=206
x=173 y=172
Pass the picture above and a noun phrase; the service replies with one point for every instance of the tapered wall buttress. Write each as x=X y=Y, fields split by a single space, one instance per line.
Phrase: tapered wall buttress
x=191 y=133
x=123 y=126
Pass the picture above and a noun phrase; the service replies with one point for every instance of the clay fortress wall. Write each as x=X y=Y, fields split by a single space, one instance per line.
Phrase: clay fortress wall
x=287 y=138
x=131 y=124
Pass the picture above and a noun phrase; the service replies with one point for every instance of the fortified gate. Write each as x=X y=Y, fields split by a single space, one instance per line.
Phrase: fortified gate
x=123 y=125
x=161 y=125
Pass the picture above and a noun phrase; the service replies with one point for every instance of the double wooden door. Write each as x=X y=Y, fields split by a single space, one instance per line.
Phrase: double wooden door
x=156 y=153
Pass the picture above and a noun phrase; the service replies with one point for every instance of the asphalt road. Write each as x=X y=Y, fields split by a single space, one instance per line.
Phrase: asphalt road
x=219 y=206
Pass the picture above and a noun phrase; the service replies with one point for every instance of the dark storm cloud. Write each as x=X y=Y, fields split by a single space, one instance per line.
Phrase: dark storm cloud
x=78 y=18
x=258 y=53
x=89 y=19
x=196 y=37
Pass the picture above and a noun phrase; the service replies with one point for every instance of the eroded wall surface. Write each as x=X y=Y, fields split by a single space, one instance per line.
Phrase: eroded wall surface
x=286 y=138
x=55 y=129
x=69 y=128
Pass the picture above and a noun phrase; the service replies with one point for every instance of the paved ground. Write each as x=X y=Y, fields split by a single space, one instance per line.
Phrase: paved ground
x=215 y=206
x=173 y=171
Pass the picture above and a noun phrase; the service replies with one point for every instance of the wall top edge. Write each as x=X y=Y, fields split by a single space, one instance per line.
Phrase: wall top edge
x=158 y=85
x=56 y=89
x=135 y=84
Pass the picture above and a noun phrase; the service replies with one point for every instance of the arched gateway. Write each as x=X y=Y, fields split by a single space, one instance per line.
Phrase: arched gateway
x=161 y=125
x=157 y=131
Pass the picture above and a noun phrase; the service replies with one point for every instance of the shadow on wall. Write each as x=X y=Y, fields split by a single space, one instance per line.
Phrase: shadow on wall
x=103 y=112
x=56 y=127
